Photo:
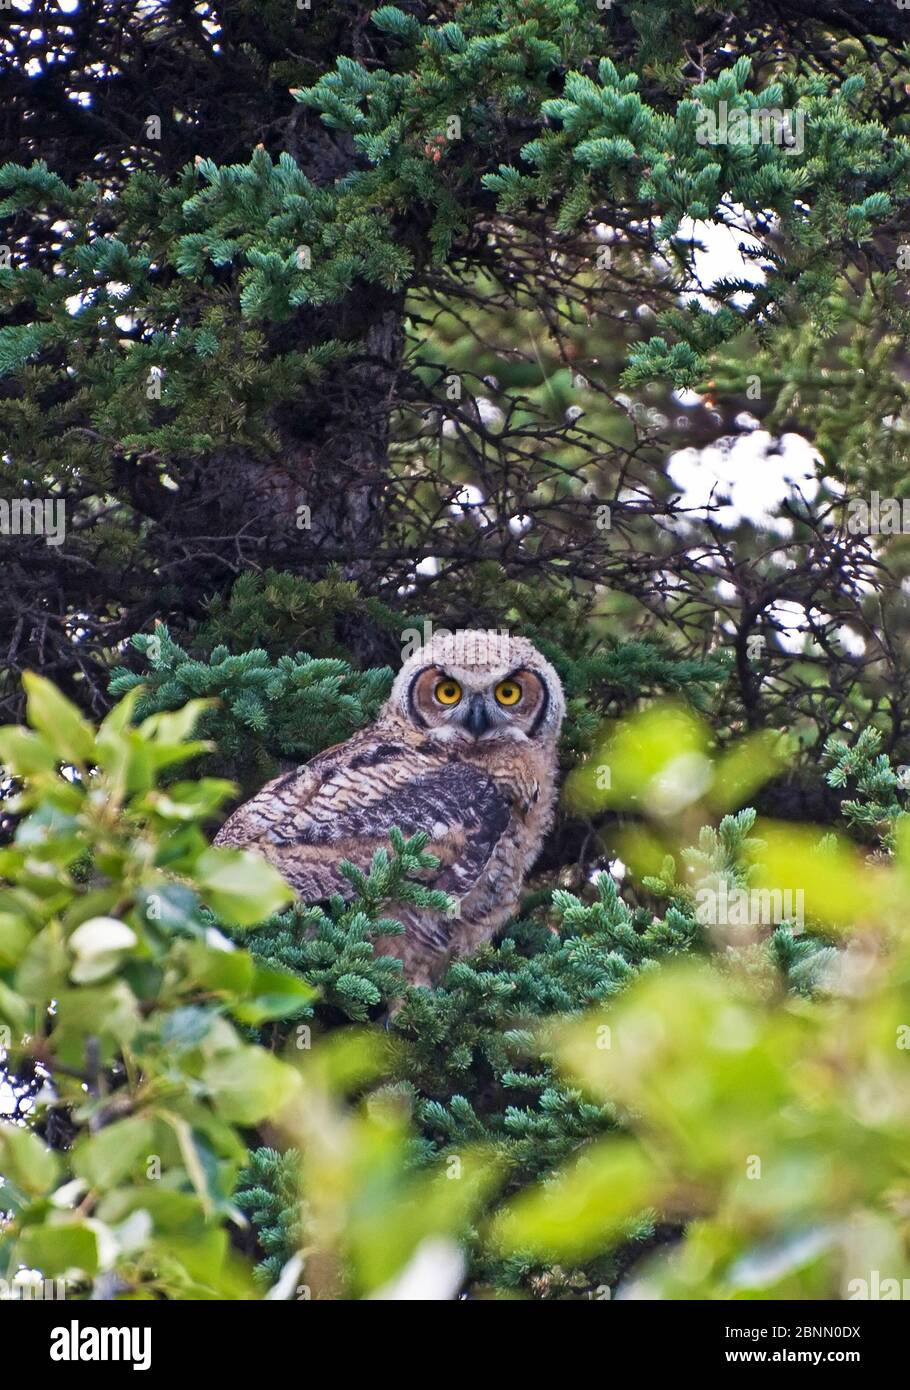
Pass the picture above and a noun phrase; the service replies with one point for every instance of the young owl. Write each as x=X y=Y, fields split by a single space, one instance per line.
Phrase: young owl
x=464 y=748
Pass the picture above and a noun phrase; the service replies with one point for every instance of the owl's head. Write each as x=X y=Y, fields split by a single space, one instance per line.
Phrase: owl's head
x=472 y=685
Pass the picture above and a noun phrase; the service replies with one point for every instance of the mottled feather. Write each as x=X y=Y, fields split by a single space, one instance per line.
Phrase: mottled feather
x=332 y=803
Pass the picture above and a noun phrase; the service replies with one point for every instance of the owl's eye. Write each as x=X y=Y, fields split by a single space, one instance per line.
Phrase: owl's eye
x=508 y=692
x=448 y=692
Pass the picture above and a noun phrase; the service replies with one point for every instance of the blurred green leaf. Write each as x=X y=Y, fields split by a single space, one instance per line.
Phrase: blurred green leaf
x=57 y=1249
x=116 y=1152
x=26 y=1161
x=584 y=1209
x=241 y=887
x=250 y=1085
x=52 y=715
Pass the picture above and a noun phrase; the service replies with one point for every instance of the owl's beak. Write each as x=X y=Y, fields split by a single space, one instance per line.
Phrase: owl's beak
x=475 y=717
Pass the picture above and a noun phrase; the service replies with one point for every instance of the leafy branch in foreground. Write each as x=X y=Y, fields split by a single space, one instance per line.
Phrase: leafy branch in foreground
x=126 y=1008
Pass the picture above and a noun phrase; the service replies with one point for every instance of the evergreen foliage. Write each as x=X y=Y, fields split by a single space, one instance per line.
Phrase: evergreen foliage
x=333 y=948
x=291 y=708
x=282 y=612
x=877 y=809
x=269 y=1192
x=234 y=344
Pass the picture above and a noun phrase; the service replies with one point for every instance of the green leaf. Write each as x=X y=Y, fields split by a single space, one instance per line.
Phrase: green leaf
x=25 y=753
x=26 y=1161
x=222 y=971
x=115 y=1152
x=15 y=938
x=14 y=1010
x=175 y=726
x=240 y=887
x=56 y=1249
x=43 y=968
x=53 y=715
x=276 y=994
x=118 y=720
x=192 y=1152
x=249 y=1084
x=127 y=760
x=108 y=1011
x=189 y=801
x=170 y=906
x=583 y=1208
x=47 y=824
x=186 y=1027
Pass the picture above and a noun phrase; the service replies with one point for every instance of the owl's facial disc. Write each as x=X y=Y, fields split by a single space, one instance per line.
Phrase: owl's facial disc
x=463 y=705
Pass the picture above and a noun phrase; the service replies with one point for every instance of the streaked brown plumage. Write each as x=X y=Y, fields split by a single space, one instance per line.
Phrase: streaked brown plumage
x=465 y=748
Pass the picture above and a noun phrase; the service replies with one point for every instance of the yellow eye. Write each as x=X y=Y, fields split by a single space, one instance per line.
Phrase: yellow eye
x=448 y=692
x=508 y=692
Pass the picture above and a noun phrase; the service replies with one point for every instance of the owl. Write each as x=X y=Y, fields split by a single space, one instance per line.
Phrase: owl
x=465 y=749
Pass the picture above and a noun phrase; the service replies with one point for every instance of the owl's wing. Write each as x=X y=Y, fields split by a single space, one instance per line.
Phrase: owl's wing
x=343 y=804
